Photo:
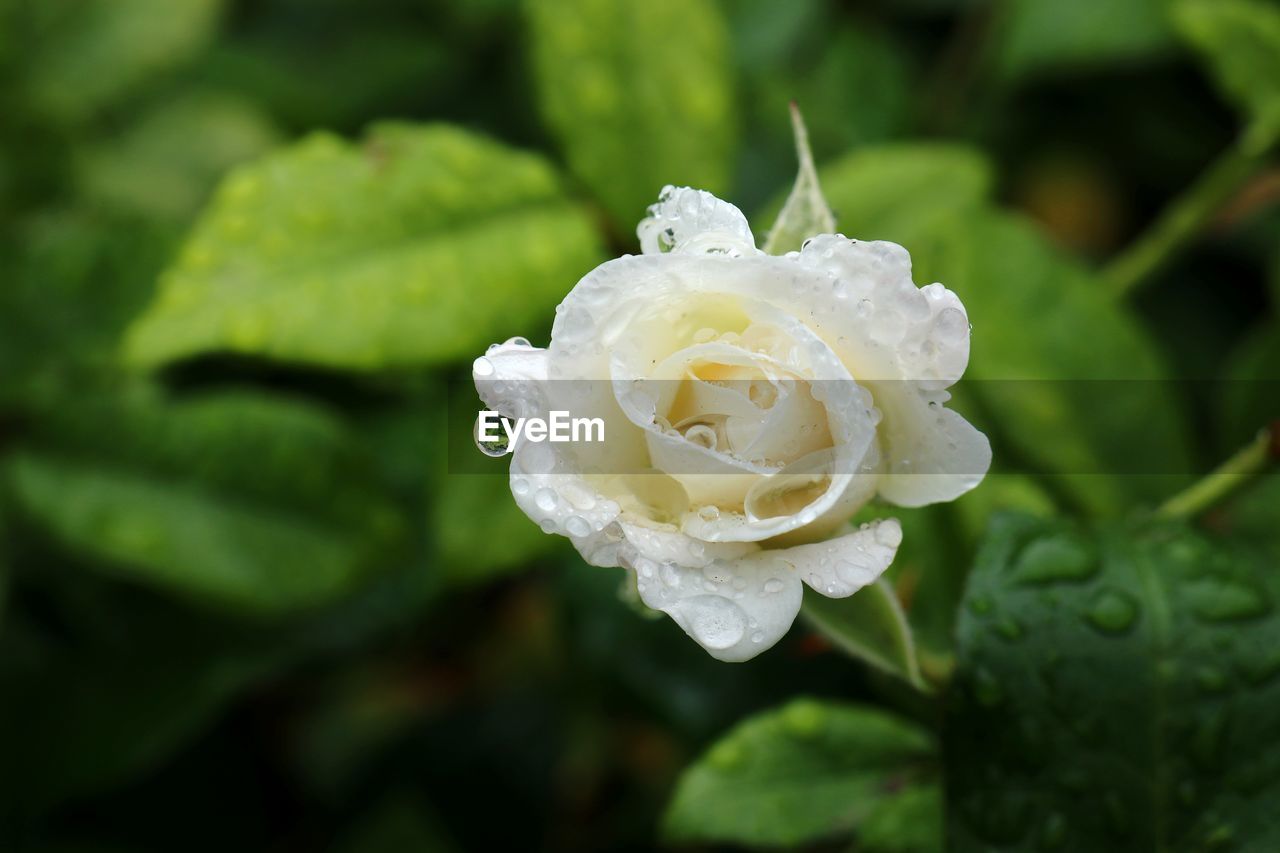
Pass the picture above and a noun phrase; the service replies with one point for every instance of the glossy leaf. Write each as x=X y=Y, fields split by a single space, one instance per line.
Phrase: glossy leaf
x=72 y=284
x=807 y=771
x=1116 y=690
x=479 y=529
x=1033 y=37
x=886 y=192
x=166 y=163
x=246 y=502
x=869 y=625
x=417 y=246
x=639 y=95
x=1033 y=372
x=911 y=823
x=86 y=54
x=1240 y=42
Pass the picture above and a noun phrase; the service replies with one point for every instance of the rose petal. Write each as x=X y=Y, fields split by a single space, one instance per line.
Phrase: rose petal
x=840 y=567
x=934 y=454
x=733 y=609
x=686 y=219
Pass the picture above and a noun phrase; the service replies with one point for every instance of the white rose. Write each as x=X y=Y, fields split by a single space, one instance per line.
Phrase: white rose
x=752 y=403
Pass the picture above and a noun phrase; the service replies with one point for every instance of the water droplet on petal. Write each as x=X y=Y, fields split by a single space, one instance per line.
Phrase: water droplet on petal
x=715 y=622
x=482 y=367
x=546 y=500
x=577 y=526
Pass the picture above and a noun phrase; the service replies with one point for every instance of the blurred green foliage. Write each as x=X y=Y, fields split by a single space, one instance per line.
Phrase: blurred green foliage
x=249 y=246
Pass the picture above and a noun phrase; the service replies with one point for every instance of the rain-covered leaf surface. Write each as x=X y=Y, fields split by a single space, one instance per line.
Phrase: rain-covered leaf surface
x=415 y=247
x=247 y=502
x=639 y=95
x=800 y=773
x=86 y=54
x=1035 y=38
x=1116 y=690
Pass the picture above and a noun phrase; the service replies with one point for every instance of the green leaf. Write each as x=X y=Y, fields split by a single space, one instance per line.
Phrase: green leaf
x=871 y=626
x=250 y=503
x=1240 y=42
x=1116 y=690
x=639 y=95
x=480 y=531
x=72 y=285
x=938 y=545
x=416 y=247
x=805 y=213
x=84 y=55
x=807 y=771
x=852 y=79
x=1058 y=401
x=911 y=823
x=1034 y=37
x=166 y=163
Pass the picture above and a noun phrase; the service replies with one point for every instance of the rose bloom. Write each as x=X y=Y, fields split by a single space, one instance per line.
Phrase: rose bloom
x=752 y=404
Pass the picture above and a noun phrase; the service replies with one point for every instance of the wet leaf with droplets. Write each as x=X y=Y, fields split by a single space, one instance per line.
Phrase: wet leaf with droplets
x=1135 y=707
x=807 y=771
x=639 y=95
x=244 y=502
x=414 y=247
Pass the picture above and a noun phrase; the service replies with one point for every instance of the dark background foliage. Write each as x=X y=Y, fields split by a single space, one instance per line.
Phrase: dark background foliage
x=244 y=604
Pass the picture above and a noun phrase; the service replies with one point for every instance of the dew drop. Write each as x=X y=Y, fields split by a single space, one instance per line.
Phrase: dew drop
x=546 y=500
x=773 y=586
x=715 y=622
x=1112 y=611
x=1054 y=559
x=520 y=486
x=1009 y=628
x=482 y=367
x=495 y=447
x=1218 y=600
x=726 y=755
x=804 y=718
x=577 y=526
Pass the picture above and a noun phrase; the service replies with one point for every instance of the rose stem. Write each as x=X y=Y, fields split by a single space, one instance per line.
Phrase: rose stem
x=1187 y=214
x=1231 y=475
